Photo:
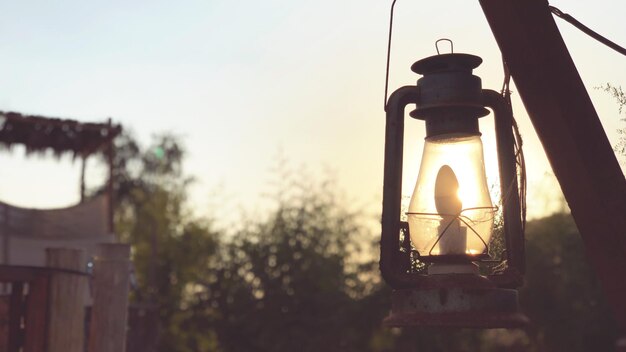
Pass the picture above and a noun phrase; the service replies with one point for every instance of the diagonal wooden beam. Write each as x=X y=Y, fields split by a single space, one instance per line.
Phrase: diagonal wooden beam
x=571 y=133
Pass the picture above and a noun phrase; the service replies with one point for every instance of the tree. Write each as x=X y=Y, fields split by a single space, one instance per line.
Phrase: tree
x=292 y=281
x=169 y=246
x=561 y=295
x=304 y=276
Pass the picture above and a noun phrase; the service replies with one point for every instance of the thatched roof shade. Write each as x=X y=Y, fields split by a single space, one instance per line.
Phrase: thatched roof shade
x=38 y=133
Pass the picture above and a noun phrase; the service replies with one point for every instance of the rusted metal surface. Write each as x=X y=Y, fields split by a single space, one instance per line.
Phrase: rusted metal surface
x=391 y=266
x=456 y=300
x=429 y=282
x=449 y=94
x=571 y=133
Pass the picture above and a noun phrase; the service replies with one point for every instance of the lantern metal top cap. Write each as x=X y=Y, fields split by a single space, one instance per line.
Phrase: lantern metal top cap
x=446 y=63
x=450 y=96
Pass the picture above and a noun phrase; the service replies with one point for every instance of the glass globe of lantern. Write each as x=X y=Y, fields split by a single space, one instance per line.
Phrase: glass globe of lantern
x=450 y=212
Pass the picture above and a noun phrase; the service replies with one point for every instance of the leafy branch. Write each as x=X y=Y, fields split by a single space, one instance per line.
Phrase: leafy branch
x=617 y=93
x=620 y=96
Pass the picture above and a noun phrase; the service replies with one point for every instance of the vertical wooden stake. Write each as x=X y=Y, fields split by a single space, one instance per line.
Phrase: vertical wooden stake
x=6 y=239
x=66 y=324
x=110 y=304
x=83 y=165
x=110 y=152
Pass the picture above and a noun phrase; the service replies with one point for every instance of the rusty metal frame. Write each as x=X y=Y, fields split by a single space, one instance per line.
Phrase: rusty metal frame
x=394 y=263
x=511 y=212
x=571 y=133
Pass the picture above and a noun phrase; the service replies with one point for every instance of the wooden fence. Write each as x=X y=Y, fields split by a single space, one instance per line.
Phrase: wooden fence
x=42 y=309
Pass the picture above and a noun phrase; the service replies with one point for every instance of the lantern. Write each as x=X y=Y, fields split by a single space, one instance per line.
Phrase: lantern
x=435 y=258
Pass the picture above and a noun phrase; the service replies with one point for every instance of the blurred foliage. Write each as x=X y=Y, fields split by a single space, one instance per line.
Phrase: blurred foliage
x=618 y=94
x=561 y=295
x=288 y=282
x=168 y=244
x=304 y=277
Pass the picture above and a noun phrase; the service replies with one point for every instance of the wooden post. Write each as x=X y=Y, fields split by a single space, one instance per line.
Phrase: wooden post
x=6 y=239
x=110 y=153
x=83 y=165
x=620 y=345
x=571 y=133
x=36 y=322
x=16 y=307
x=66 y=324
x=110 y=305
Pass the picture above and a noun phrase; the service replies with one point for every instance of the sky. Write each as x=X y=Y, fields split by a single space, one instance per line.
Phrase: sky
x=245 y=84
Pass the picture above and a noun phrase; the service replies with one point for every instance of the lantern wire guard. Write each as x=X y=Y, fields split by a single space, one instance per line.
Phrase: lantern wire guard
x=462 y=218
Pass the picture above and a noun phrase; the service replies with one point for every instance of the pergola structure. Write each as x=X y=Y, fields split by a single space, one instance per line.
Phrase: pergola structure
x=43 y=279
x=27 y=232
x=39 y=134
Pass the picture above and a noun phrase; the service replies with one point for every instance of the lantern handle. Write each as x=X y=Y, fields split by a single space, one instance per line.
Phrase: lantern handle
x=444 y=40
x=393 y=5
x=392 y=267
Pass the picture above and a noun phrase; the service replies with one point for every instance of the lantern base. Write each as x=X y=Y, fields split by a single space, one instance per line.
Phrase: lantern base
x=486 y=308
x=452 y=268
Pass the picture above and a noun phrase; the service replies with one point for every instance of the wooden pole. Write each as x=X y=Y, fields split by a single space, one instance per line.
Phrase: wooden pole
x=571 y=133
x=82 y=178
x=154 y=247
x=110 y=185
x=6 y=239
x=110 y=304
x=66 y=323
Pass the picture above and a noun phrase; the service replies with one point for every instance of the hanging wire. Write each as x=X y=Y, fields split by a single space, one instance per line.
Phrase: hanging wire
x=519 y=152
x=393 y=4
x=587 y=30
